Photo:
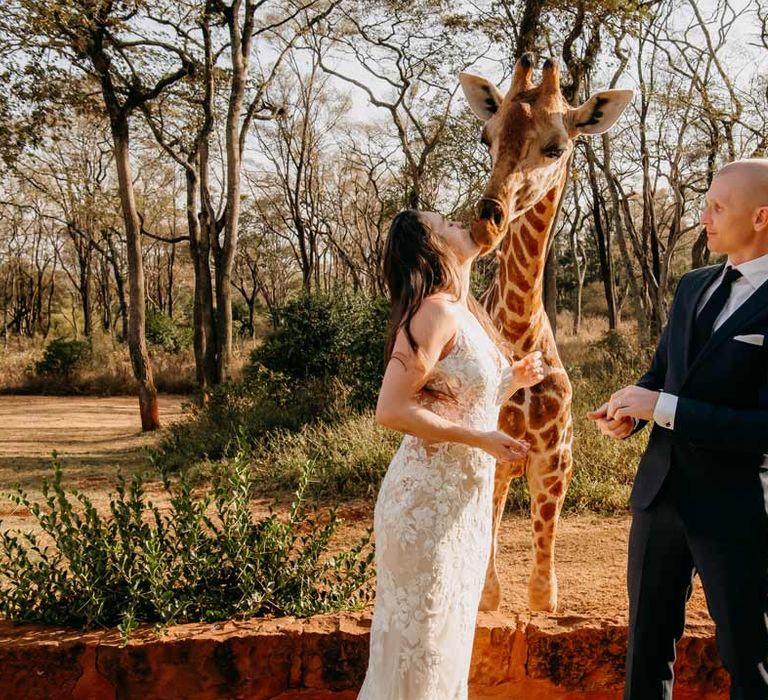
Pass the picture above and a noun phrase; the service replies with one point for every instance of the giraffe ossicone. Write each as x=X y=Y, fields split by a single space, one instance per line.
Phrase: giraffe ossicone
x=530 y=134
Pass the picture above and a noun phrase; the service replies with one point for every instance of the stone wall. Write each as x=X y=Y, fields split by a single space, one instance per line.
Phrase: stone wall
x=324 y=658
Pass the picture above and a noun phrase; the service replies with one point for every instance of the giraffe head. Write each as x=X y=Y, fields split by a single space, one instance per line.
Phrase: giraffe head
x=530 y=133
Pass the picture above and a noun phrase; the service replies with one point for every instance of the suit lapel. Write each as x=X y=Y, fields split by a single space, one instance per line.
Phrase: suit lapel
x=696 y=293
x=756 y=305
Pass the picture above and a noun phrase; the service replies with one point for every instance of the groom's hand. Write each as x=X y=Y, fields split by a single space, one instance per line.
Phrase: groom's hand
x=632 y=402
x=618 y=428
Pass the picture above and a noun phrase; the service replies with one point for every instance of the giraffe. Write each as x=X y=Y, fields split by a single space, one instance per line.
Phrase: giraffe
x=530 y=134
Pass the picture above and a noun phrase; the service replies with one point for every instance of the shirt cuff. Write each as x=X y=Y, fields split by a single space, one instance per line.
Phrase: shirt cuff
x=664 y=412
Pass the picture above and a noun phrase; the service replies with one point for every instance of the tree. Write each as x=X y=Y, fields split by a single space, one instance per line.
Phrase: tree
x=110 y=41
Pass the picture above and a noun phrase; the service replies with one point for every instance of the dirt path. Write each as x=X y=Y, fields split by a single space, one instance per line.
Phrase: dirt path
x=96 y=437
x=590 y=564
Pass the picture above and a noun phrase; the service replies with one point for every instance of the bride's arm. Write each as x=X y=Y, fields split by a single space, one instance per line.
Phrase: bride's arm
x=433 y=327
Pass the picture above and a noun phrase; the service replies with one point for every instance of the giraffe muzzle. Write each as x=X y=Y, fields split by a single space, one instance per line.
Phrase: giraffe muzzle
x=488 y=226
x=490 y=210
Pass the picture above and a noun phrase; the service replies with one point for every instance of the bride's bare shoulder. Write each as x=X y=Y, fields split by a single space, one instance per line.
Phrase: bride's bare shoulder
x=437 y=308
x=435 y=320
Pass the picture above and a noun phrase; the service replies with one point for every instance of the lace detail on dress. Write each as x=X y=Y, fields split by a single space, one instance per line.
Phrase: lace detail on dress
x=432 y=525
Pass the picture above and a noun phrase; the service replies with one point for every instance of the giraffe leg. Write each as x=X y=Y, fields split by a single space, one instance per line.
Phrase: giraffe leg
x=548 y=476
x=505 y=472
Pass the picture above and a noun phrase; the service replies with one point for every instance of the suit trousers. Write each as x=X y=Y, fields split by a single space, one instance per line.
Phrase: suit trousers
x=717 y=528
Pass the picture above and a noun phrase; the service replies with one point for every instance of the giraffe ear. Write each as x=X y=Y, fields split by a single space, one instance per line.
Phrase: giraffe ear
x=599 y=113
x=483 y=96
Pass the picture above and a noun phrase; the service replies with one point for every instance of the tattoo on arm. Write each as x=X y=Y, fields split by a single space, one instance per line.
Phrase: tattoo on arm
x=399 y=357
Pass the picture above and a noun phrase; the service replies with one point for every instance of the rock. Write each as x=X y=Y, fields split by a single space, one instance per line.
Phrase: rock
x=324 y=658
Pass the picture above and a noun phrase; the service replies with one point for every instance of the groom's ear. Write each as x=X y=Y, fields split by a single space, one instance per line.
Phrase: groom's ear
x=760 y=221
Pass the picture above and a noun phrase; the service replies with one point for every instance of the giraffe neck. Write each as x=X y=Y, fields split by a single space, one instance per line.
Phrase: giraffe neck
x=515 y=301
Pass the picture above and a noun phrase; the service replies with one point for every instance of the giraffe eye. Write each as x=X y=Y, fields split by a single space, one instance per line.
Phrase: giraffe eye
x=554 y=152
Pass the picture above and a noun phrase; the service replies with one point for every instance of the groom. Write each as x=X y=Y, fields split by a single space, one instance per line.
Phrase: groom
x=700 y=497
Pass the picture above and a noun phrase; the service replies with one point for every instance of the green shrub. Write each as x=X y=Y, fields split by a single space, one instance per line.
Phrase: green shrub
x=244 y=412
x=615 y=356
x=330 y=336
x=62 y=359
x=204 y=560
x=324 y=362
x=163 y=332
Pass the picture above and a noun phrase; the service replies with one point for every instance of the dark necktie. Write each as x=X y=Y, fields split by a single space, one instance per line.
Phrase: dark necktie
x=705 y=321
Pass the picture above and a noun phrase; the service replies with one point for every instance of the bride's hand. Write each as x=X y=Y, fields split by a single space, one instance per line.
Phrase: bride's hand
x=502 y=446
x=522 y=374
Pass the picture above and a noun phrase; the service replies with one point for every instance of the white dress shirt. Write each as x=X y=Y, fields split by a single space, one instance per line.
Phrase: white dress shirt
x=754 y=274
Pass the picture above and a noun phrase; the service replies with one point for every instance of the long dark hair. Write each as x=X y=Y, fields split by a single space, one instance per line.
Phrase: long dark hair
x=418 y=263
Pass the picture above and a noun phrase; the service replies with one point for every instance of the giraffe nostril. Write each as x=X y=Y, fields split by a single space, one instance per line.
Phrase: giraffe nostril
x=489 y=210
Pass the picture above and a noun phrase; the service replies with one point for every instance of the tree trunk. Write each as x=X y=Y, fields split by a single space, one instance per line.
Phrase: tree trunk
x=603 y=238
x=225 y=259
x=114 y=260
x=550 y=288
x=137 y=345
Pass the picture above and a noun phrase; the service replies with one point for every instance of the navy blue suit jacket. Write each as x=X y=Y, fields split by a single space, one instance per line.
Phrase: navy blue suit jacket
x=721 y=424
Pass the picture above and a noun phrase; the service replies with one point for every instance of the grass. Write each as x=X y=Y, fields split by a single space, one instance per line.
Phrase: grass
x=108 y=374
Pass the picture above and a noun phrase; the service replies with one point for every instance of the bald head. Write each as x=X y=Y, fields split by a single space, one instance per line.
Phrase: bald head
x=746 y=180
x=736 y=210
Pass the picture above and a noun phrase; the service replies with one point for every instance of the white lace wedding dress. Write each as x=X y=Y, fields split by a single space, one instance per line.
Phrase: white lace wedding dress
x=432 y=528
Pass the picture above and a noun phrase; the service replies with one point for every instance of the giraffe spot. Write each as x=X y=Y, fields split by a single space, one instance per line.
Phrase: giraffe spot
x=519 y=254
x=541 y=498
x=548 y=511
x=551 y=194
x=537 y=223
x=543 y=409
x=527 y=344
x=514 y=420
x=538 y=526
x=554 y=463
x=531 y=244
x=540 y=543
x=556 y=489
x=556 y=383
x=523 y=284
x=516 y=329
x=518 y=398
x=514 y=302
x=540 y=207
x=550 y=437
x=549 y=481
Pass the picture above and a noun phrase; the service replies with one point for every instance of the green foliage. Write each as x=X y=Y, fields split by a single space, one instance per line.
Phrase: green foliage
x=324 y=362
x=615 y=356
x=245 y=412
x=206 y=559
x=350 y=457
x=329 y=336
x=163 y=332
x=62 y=358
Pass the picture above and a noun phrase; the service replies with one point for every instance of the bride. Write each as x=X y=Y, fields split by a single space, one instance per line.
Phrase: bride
x=445 y=379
